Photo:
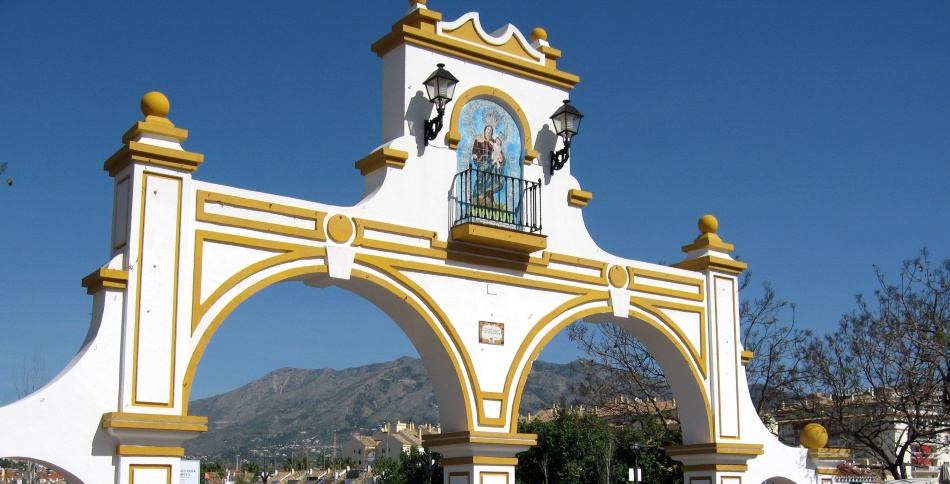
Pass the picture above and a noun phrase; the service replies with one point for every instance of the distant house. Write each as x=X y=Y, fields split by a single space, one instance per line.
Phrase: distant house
x=923 y=460
x=389 y=441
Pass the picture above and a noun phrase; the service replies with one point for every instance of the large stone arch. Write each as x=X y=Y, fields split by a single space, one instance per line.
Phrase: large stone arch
x=415 y=314
x=477 y=298
x=670 y=351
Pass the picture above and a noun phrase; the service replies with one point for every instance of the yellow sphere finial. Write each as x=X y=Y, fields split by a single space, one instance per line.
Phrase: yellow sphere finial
x=539 y=33
x=155 y=104
x=813 y=436
x=708 y=224
x=413 y=3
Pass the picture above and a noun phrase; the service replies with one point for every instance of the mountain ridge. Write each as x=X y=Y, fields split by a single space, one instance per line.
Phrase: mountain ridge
x=306 y=410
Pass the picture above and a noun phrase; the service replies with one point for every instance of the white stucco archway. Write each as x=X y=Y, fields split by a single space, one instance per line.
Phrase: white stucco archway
x=477 y=289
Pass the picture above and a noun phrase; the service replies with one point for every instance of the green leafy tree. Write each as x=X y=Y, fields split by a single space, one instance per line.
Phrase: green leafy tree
x=573 y=448
x=389 y=470
x=409 y=467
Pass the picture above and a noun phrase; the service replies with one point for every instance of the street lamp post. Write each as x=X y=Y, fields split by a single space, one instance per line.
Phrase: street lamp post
x=635 y=472
x=428 y=463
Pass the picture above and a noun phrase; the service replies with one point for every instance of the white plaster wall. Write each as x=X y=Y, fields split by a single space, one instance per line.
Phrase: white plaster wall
x=59 y=425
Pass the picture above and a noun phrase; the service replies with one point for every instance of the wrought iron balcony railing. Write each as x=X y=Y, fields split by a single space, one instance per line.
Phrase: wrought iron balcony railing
x=488 y=198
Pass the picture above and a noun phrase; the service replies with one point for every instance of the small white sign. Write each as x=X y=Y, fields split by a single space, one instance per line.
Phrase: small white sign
x=190 y=472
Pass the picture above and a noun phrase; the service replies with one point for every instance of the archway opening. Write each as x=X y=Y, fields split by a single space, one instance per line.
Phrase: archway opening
x=32 y=471
x=295 y=371
x=619 y=412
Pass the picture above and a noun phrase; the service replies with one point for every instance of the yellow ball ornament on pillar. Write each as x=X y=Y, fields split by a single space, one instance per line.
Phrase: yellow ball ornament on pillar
x=813 y=436
x=155 y=104
x=708 y=224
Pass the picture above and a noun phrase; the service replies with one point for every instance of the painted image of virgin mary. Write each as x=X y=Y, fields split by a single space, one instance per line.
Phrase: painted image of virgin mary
x=489 y=159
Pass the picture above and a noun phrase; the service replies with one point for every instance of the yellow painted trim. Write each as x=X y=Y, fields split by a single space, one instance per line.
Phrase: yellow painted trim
x=166 y=468
x=453 y=137
x=152 y=125
x=285 y=252
x=361 y=240
x=746 y=356
x=315 y=216
x=233 y=303
x=148 y=451
x=717 y=448
x=493 y=475
x=734 y=337
x=551 y=55
x=478 y=437
x=501 y=238
x=103 y=278
x=709 y=241
x=381 y=158
x=467 y=31
x=135 y=152
x=637 y=274
x=578 y=197
x=404 y=32
x=385 y=265
x=716 y=467
x=655 y=307
x=147 y=421
x=339 y=228
x=480 y=460
x=394 y=267
x=829 y=453
x=205 y=337
x=617 y=276
x=138 y=295
x=643 y=309
x=712 y=262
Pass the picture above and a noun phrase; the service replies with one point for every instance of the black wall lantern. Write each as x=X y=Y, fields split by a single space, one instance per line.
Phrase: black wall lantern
x=567 y=120
x=440 y=87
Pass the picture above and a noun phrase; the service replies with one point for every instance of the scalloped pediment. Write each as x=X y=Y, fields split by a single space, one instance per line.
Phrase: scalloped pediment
x=507 y=39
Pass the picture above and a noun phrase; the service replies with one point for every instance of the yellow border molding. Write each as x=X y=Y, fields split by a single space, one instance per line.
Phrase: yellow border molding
x=149 y=451
x=717 y=448
x=829 y=453
x=712 y=262
x=419 y=28
x=513 y=240
x=155 y=125
x=135 y=152
x=147 y=421
x=480 y=460
x=476 y=437
x=716 y=467
x=135 y=467
x=381 y=158
x=709 y=241
x=578 y=197
x=103 y=278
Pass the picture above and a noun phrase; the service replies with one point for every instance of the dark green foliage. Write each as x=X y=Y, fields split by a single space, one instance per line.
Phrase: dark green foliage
x=581 y=448
x=409 y=467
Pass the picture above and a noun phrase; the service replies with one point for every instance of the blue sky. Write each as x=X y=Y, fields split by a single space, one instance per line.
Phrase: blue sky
x=818 y=133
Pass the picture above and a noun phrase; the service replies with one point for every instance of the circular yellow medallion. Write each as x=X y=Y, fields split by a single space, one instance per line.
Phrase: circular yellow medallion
x=339 y=228
x=617 y=276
